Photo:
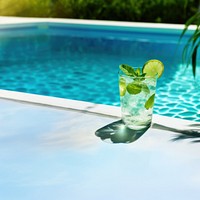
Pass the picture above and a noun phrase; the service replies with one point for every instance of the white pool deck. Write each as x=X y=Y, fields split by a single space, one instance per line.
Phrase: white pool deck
x=49 y=150
x=19 y=20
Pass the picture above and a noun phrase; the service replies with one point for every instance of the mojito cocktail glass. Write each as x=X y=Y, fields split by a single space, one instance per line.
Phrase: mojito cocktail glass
x=137 y=95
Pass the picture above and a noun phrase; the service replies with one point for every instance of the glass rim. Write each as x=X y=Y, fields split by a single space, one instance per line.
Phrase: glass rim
x=122 y=74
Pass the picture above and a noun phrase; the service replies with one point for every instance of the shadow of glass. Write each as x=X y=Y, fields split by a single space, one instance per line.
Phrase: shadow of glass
x=117 y=132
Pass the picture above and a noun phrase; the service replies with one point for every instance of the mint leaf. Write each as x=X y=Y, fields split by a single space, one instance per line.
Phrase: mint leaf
x=128 y=70
x=137 y=71
x=150 y=102
x=145 y=88
x=139 y=76
x=134 y=88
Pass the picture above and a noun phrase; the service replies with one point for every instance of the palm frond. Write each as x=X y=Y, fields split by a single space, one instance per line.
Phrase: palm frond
x=194 y=60
x=190 y=21
x=190 y=50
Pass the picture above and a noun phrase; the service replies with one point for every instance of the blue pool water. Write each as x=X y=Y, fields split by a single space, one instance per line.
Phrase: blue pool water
x=81 y=63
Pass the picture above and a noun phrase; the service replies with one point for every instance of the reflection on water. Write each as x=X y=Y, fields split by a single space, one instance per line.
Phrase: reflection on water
x=117 y=132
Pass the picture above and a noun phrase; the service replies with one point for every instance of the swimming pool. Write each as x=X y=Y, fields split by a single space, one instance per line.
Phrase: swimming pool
x=80 y=61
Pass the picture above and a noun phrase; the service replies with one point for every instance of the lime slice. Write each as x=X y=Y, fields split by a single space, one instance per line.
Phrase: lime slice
x=122 y=87
x=153 y=67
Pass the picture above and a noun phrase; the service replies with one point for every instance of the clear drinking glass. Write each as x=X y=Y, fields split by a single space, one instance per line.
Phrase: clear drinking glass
x=137 y=99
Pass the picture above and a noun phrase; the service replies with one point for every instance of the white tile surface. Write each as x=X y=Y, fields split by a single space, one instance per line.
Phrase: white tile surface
x=49 y=152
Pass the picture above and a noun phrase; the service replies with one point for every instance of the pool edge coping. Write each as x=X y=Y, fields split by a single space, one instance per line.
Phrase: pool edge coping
x=10 y=20
x=63 y=103
x=158 y=121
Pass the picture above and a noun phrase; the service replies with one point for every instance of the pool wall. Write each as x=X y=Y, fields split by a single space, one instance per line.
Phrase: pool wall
x=8 y=23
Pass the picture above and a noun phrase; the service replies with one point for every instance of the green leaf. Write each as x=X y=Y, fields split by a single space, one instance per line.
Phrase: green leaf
x=150 y=102
x=145 y=88
x=190 y=21
x=189 y=53
x=128 y=70
x=139 y=78
x=194 y=60
x=134 y=88
x=137 y=71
